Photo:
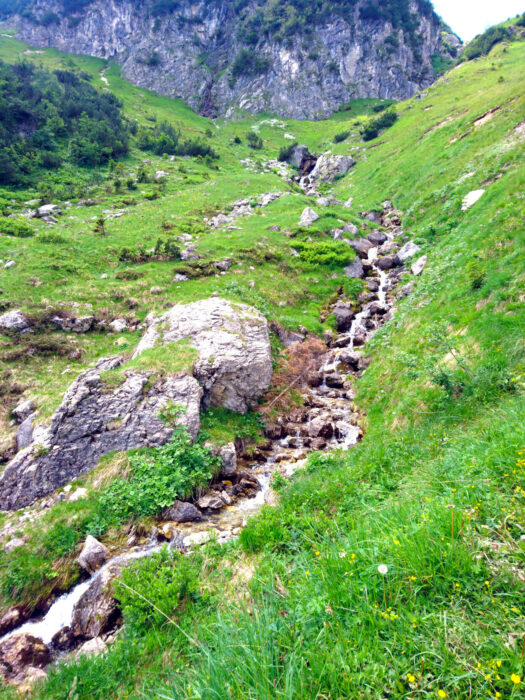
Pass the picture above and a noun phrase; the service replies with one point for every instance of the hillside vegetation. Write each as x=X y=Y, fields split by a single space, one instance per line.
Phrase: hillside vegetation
x=395 y=569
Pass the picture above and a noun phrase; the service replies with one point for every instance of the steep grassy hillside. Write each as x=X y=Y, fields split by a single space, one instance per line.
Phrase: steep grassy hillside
x=297 y=607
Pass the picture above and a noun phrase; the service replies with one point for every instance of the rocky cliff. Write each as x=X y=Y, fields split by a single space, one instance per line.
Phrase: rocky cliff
x=289 y=58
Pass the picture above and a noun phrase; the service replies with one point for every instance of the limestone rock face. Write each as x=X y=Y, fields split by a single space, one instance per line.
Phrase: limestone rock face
x=91 y=421
x=234 y=366
x=97 y=415
x=352 y=58
x=329 y=167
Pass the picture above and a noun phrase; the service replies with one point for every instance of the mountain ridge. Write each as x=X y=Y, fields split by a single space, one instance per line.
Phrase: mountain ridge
x=223 y=57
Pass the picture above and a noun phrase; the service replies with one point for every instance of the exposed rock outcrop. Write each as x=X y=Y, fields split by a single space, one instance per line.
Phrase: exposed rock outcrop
x=104 y=411
x=329 y=167
x=235 y=363
x=354 y=55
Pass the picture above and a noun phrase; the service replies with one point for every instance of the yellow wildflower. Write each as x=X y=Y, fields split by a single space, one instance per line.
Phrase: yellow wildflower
x=411 y=678
x=515 y=679
x=442 y=693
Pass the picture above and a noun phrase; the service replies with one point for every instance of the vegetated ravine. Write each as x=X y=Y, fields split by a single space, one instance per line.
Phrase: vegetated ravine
x=328 y=419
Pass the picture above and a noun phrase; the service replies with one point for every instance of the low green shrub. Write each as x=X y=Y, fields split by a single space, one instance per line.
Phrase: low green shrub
x=286 y=152
x=341 y=136
x=156 y=480
x=329 y=253
x=156 y=589
x=372 y=129
x=19 y=228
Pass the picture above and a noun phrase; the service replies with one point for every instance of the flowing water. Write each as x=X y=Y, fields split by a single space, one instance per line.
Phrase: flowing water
x=332 y=405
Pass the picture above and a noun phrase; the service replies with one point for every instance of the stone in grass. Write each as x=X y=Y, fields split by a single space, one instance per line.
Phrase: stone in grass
x=14 y=321
x=93 y=555
x=419 y=265
x=471 y=198
x=408 y=251
x=308 y=217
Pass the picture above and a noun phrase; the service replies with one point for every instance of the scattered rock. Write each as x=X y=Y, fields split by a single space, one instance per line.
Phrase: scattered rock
x=419 y=265
x=297 y=156
x=76 y=325
x=14 y=321
x=350 y=358
x=377 y=309
x=408 y=251
x=320 y=427
x=13 y=544
x=197 y=538
x=180 y=278
x=314 y=379
x=9 y=264
x=96 y=612
x=210 y=502
x=308 y=217
x=359 y=337
x=344 y=315
x=78 y=494
x=118 y=325
x=20 y=651
x=189 y=253
x=23 y=410
x=93 y=555
x=388 y=262
x=471 y=198
x=93 y=647
x=361 y=247
x=224 y=265
x=48 y=210
x=12 y=619
x=348 y=203
x=24 y=434
x=377 y=238
x=228 y=456
x=406 y=290
x=355 y=270
x=182 y=512
x=373 y=216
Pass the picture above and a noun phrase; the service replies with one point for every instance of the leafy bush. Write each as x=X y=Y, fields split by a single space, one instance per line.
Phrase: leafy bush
x=341 y=136
x=254 y=140
x=164 y=138
x=330 y=253
x=156 y=480
x=157 y=588
x=372 y=129
x=19 y=228
x=286 y=151
x=165 y=250
x=47 y=117
x=482 y=44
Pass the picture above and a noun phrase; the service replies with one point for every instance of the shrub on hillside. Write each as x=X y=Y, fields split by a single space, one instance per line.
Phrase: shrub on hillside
x=286 y=152
x=341 y=136
x=19 y=228
x=329 y=253
x=372 y=129
x=254 y=140
x=482 y=44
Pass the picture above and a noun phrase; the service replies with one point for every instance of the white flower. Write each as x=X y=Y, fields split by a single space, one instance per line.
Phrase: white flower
x=383 y=569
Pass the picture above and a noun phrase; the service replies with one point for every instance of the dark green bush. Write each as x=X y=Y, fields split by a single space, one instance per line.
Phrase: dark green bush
x=249 y=63
x=341 y=136
x=254 y=140
x=286 y=152
x=482 y=44
x=372 y=129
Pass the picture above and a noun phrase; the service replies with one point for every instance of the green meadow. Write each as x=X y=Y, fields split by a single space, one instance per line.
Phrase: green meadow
x=394 y=570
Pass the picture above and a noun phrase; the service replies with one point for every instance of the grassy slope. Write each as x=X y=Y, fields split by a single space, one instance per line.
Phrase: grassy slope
x=316 y=620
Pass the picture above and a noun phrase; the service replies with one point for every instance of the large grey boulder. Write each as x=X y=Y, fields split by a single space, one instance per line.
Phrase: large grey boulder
x=361 y=247
x=329 y=167
x=182 y=512
x=308 y=217
x=419 y=265
x=23 y=410
x=355 y=270
x=93 y=555
x=94 y=419
x=48 y=210
x=96 y=612
x=297 y=156
x=234 y=366
x=408 y=251
x=13 y=321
